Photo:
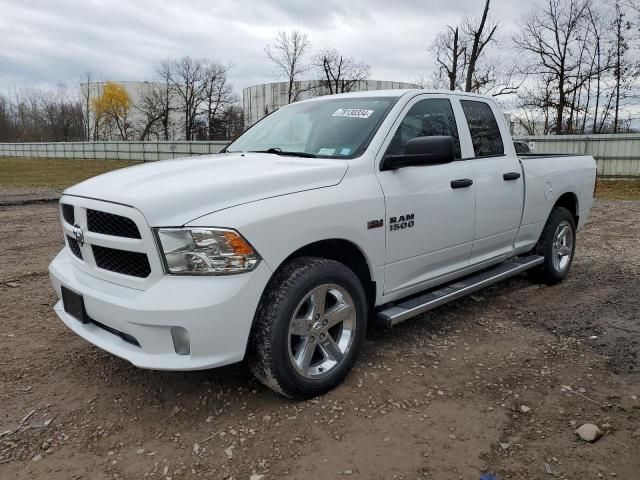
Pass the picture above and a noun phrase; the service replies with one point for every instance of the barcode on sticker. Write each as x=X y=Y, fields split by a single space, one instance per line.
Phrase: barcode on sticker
x=352 y=113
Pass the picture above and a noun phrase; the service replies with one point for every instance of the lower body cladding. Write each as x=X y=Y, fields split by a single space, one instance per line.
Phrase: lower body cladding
x=179 y=323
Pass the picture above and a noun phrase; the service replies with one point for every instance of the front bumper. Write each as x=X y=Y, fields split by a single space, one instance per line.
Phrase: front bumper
x=217 y=313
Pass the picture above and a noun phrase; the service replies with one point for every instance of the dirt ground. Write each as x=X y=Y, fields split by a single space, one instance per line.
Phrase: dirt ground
x=497 y=383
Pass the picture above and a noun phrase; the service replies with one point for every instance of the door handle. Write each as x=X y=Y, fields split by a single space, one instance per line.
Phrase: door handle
x=511 y=176
x=461 y=183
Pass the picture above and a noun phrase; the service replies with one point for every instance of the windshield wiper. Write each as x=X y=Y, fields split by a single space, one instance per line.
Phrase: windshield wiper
x=279 y=151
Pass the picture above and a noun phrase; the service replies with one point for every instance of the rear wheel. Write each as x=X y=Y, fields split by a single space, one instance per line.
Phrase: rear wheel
x=309 y=327
x=557 y=246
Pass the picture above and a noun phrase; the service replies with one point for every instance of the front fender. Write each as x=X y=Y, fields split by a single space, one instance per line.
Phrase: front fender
x=279 y=226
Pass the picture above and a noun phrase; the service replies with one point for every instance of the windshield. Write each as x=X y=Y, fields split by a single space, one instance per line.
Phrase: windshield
x=334 y=128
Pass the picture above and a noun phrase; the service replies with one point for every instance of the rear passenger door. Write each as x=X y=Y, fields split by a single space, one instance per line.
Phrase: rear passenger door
x=498 y=179
x=429 y=221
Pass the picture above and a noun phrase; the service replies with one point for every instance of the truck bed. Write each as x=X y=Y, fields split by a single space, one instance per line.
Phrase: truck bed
x=548 y=178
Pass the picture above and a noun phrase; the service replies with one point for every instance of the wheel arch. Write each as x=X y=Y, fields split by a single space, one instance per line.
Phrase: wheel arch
x=345 y=252
x=569 y=200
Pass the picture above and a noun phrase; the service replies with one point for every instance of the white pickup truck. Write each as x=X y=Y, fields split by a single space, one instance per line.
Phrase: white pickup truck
x=327 y=214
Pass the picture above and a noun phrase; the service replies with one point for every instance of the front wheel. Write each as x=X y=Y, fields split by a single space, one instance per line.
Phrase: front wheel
x=309 y=327
x=557 y=246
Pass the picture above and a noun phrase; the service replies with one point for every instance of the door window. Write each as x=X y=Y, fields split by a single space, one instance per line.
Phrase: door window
x=427 y=118
x=485 y=133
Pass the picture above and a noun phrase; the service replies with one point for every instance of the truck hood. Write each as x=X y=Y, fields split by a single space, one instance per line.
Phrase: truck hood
x=171 y=193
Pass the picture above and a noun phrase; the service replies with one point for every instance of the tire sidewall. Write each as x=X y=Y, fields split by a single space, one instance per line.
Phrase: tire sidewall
x=333 y=273
x=559 y=215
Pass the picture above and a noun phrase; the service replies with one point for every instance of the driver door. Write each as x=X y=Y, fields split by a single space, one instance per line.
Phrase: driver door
x=430 y=210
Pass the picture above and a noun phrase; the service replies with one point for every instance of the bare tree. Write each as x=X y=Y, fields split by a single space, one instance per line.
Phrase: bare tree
x=551 y=35
x=287 y=55
x=480 y=34
x=188 y=79
x=425 y=80
x=218 y=96
x=85 y=90
x=231 y=122
x=167 y=96
x=534 y=106
x=42 y=115
x=589 y=52
x=461 y=55
x=339 y=74
x=7 y=129
x=154 y=108
x=600 y=63
x=61 y=113
x=451 y=56
x=158 y=100
x=625 y=70
x=197 y=90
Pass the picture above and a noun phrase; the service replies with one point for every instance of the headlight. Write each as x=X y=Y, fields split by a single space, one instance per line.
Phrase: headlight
x=205 y=251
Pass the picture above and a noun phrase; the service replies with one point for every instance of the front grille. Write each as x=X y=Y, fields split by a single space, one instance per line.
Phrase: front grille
x=110 y=224
x=74 y=247
x=121 y=261
x=68 y=214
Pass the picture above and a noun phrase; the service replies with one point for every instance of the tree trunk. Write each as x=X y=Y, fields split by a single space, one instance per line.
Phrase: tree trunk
x=618 y=70
x=560 y=106
x=165 y=116
x=599 y=76
x=453 y=76
x=475 y=51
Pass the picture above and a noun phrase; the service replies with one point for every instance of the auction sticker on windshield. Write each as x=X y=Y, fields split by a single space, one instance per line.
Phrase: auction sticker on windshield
x=352 y=113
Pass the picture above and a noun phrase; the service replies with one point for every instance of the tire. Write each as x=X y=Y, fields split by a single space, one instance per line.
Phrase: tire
x=552 y=245
x=291 y=321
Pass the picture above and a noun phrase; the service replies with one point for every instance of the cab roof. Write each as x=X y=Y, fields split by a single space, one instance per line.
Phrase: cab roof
x=394 y=93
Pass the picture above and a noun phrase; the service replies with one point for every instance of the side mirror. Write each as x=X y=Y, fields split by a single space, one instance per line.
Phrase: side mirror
x=422 y=151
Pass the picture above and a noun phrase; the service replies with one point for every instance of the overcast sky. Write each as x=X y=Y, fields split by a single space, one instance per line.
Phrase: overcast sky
x=43 y=42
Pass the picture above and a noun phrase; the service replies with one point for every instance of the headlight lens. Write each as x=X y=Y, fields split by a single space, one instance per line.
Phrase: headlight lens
x=206 y=251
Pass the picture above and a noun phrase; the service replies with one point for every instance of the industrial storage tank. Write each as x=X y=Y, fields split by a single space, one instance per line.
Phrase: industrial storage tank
x=260 y=100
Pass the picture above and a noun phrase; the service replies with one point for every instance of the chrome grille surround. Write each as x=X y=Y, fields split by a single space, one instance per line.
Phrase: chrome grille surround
x=119 y=259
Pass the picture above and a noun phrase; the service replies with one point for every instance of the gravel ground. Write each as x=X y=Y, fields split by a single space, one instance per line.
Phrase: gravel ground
x=498 y=382
x=19 y=196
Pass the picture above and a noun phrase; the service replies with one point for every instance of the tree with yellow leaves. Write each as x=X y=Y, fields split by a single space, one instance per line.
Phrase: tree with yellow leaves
x=113 y=105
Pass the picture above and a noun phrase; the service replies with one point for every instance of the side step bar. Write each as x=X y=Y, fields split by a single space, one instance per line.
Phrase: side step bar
x=434 y=298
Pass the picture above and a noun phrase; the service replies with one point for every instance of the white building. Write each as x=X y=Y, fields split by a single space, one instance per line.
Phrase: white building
x=260 y=100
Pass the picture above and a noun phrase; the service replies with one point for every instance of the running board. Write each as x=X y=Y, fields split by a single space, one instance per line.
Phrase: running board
x=434 y=298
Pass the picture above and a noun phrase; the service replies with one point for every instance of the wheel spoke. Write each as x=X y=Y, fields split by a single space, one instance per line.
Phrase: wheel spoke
x=338 y=314
x=330 y=349
x=305 y=354
x=300 y=326
x=318 y=299
x=564 y=250
x=563 y=233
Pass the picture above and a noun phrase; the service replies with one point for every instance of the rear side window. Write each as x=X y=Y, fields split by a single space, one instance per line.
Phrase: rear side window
x=427 y=118
x=485 y=133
